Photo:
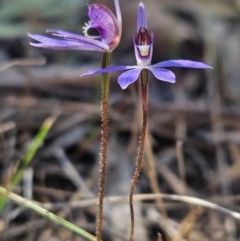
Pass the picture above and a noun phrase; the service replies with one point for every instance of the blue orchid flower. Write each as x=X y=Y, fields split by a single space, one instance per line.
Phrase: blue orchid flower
x=143 y=46
x=101 y=18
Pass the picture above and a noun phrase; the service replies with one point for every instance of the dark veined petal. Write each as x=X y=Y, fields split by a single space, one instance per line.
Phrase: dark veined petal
x=141 y=17
x=103 y=19
x=108 y=70
x=163 y=74
x=128 y=77
x=50 y=43
x=183 y=64
x=78 y=38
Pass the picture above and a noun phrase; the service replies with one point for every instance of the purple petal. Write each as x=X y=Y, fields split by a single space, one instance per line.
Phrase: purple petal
x=108 y=70
x=50 y=43
x=141 y=17
x=163 y=74
x=78 y=38
x=129 y=77
x=182 y=63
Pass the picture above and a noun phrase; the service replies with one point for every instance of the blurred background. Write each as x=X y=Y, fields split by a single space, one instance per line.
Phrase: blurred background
x=193 y=147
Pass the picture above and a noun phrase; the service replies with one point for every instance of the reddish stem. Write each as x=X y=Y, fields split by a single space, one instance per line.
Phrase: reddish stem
x=105 y=82
x=144 y=96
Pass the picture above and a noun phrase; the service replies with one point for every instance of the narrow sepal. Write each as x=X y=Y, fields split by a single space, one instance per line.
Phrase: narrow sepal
x=183 y=64
x=119 y=16
x=78 y=38
x=51 y=43
x=108 y=70
x=141 y=17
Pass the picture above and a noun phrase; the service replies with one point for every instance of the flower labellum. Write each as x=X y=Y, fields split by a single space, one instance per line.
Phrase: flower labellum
x=105 y=22
x=101 y=18
x=143 y=46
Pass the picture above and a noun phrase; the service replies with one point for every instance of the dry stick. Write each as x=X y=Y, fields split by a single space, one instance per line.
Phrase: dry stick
x=234 y=170
x=22 y=62
x=180 y=160
x=181 y=130
x=105 y=81
x=152 y=176
x=139 y=197
x=134 y=128
x=218 y=126
x=160 y=237
x=187 y=224
x=144 y=95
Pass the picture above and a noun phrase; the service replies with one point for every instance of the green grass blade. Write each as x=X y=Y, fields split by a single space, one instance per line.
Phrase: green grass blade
x=27 y=158
x=43 y=212
x=34 y=146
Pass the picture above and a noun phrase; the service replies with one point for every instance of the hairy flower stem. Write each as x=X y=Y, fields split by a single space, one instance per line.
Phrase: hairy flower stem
x=105 y=82
x=144 y=96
